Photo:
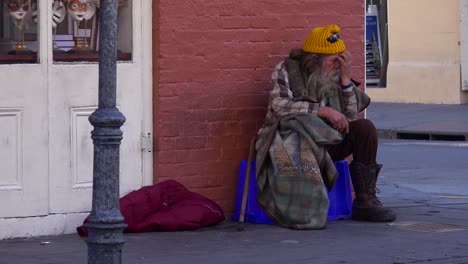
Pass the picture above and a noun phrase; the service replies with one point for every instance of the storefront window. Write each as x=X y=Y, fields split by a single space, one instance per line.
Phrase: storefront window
x=76 y=30
x=376 y=43
x=18 y=32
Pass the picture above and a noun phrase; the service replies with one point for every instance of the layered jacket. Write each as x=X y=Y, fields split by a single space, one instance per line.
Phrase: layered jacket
x=293 y=166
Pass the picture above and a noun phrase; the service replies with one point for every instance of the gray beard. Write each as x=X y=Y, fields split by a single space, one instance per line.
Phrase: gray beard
x=321 y=86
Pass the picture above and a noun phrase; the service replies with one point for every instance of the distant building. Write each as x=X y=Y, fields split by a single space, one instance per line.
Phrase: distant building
x=427 y=52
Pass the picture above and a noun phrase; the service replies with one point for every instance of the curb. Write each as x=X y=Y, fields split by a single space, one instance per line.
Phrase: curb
x=422 y=135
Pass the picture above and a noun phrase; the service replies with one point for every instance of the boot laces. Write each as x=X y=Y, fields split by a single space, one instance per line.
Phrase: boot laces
x=374 y=197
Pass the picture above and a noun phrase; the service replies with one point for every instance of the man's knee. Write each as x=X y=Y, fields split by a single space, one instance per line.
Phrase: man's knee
x=364 y=127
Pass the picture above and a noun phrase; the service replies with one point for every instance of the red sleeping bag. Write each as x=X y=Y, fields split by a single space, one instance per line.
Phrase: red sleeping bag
x=166 y=206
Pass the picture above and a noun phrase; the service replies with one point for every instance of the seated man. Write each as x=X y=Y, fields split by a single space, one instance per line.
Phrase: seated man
x=312 y=119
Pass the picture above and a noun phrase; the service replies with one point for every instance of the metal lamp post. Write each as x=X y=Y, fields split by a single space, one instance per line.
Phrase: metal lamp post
x=105 y=222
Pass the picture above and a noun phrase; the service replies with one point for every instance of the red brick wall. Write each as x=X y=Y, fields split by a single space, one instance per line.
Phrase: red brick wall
x=212 y=65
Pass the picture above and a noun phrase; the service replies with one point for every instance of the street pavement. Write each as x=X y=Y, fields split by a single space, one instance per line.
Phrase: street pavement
x=433 y=121
x=424 y=181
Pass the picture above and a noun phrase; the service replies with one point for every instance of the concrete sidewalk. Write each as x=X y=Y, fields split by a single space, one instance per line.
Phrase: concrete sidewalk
x=425 y=183
x=429 y=229
x=420 y=121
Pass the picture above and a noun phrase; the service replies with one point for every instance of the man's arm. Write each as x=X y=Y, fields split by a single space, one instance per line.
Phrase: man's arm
x=282 y=99
x=350 y=102
x=338 y=120
x=348 y=87
x=282 y=102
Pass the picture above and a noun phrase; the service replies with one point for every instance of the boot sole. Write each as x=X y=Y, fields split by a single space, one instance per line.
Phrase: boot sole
x=366 y=217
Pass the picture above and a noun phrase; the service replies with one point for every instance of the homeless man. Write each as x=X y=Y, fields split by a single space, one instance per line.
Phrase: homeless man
x=312 y=120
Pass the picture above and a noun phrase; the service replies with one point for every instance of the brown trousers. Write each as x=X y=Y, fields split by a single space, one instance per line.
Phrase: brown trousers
x=361 y=142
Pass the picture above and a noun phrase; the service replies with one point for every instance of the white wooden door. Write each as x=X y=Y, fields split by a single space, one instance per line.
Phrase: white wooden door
x=73 y=94
x=23 y=141
x=23 y=138
x=46 y=151
x=72 y=100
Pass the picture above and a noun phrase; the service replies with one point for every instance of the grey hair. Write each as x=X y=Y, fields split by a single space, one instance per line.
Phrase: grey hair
x=317 y=83
x=309 y=62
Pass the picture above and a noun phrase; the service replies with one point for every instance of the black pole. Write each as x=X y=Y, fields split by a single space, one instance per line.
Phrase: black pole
x=105 y=222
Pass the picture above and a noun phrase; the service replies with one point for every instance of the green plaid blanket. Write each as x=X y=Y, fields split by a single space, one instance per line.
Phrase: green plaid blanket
x=293 y=168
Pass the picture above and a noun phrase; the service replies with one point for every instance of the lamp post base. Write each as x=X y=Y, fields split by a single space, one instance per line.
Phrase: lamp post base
x=105 y=242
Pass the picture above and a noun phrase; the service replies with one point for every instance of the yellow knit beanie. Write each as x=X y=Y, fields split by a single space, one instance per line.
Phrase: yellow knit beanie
x=324 y=40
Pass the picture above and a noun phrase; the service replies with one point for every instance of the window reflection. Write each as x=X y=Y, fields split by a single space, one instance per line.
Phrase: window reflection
x=18 y=32
x=76 y=38
x=75 y=30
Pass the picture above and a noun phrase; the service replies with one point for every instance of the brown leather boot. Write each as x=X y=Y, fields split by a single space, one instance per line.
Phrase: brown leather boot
x=366 y=205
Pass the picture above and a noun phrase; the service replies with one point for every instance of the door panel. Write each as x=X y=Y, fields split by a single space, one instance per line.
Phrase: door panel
x=73 y=97
x=23 y=141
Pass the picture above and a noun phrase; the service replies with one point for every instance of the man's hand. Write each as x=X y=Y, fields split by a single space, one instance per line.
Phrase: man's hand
x=337 y=119
x=345 y=67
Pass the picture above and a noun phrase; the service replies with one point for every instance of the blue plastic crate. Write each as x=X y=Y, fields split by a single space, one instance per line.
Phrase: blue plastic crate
x=340 y=196
x=253 y=212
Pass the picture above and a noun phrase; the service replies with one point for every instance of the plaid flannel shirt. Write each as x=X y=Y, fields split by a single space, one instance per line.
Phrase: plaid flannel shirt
x=282 y=101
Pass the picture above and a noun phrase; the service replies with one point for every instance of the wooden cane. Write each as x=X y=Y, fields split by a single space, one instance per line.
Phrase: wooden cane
x=246 y=184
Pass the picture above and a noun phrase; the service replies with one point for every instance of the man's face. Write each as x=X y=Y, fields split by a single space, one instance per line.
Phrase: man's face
x=331 y=64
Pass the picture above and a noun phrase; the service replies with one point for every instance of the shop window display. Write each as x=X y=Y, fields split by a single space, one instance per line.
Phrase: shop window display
x=75 y=30
x=18 y=32
x=76 y=37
